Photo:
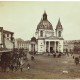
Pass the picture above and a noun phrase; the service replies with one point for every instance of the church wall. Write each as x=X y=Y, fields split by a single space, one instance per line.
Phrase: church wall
x=43 y=33
x=57 y=33
x=41 y=46
x=49 y=33
x=61 y=45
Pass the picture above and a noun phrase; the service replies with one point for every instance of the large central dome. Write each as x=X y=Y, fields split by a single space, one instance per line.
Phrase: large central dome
x=44 y=23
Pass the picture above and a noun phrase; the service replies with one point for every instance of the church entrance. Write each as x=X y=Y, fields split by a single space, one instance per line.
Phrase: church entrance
x=51 y=49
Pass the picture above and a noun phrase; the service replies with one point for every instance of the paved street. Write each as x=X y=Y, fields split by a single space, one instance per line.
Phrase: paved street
x=47 y=67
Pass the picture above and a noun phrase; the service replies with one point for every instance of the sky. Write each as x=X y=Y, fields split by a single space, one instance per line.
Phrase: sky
x=22 y=18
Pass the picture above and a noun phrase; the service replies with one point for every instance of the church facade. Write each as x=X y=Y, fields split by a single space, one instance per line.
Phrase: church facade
x=46 y=38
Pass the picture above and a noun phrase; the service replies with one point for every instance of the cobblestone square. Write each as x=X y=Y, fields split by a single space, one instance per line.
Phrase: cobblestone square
x=46 y=67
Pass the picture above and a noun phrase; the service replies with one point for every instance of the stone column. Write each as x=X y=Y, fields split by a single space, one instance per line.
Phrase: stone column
x=45 y=46
x=49 y=47
x=58 y=46
x=55 y=46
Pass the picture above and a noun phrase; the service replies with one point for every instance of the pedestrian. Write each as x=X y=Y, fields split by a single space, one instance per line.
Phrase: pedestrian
x=54 y=55
x=12 y=67
x=73 y=57
x=21 y=68
x=32 y=57
x=76 y=60
x=28 y=66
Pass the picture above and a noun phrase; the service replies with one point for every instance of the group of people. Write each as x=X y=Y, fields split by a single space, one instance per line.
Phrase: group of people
x=58 y=55
x=12 y=61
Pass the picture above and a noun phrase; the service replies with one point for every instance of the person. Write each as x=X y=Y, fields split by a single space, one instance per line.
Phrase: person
x=21 y=68
x=76 y=60
x=54 y=55
x=28 y=66
x=59 y=55
x=12 y=67
x=73 y=57
x=48 y=54
x=32 y=57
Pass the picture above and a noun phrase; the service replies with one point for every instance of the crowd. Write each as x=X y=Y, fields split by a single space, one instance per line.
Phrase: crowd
x=13 y=61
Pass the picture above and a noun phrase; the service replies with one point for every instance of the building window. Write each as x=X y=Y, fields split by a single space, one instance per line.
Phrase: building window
x=59 y=33
x=41 y=33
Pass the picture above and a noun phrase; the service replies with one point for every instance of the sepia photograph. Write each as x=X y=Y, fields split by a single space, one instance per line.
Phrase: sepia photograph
x=39 y=39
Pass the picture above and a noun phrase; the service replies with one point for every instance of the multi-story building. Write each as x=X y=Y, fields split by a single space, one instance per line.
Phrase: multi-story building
x=6 y=39
x=21 y=44
x=46 y=38
x=71 y=45
x=68 y=45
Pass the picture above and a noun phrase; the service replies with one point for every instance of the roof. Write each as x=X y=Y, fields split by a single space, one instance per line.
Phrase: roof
x=59 y=26
x=33 y=39
x=5 y=31
x=44 y=23
x=19 y=40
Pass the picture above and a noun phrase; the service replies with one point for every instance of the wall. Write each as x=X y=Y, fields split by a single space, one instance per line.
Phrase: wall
x=41 y=47
x=8 y=44
x=61 y=45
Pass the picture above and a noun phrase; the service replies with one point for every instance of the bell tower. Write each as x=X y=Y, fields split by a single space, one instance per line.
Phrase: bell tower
x=59 y=29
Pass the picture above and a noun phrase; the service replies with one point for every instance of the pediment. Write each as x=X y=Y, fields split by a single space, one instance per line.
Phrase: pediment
x=54 y=37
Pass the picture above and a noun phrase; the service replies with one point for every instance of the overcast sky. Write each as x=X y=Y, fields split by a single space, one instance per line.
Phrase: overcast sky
x=22 y=18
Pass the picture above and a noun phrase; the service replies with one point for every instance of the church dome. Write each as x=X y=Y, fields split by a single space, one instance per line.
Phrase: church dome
x=33 y=39
x=44 y=23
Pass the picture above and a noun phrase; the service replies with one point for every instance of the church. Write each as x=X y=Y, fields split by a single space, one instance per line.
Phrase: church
x=46 y=38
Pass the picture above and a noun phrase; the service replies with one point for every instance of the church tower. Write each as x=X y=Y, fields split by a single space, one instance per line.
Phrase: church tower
x=59 y=29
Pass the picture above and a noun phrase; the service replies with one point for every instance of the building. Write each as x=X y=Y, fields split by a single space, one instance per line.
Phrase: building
x=6 y=39
x=68 y=45
x=21 y=44
x=76 y=46
x=46 y=38
x=71 y=45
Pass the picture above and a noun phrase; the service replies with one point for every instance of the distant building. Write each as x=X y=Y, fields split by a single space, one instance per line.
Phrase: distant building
x=6 y=39
x=71 y=45
x=21 y=44
x=68 y=45
x=46 y=38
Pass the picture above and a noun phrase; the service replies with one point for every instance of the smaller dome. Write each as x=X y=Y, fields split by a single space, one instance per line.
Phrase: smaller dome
x=33 y=39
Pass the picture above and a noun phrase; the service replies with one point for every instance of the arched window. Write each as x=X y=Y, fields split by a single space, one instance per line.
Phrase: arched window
x=59 y=33
x=41 y=33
